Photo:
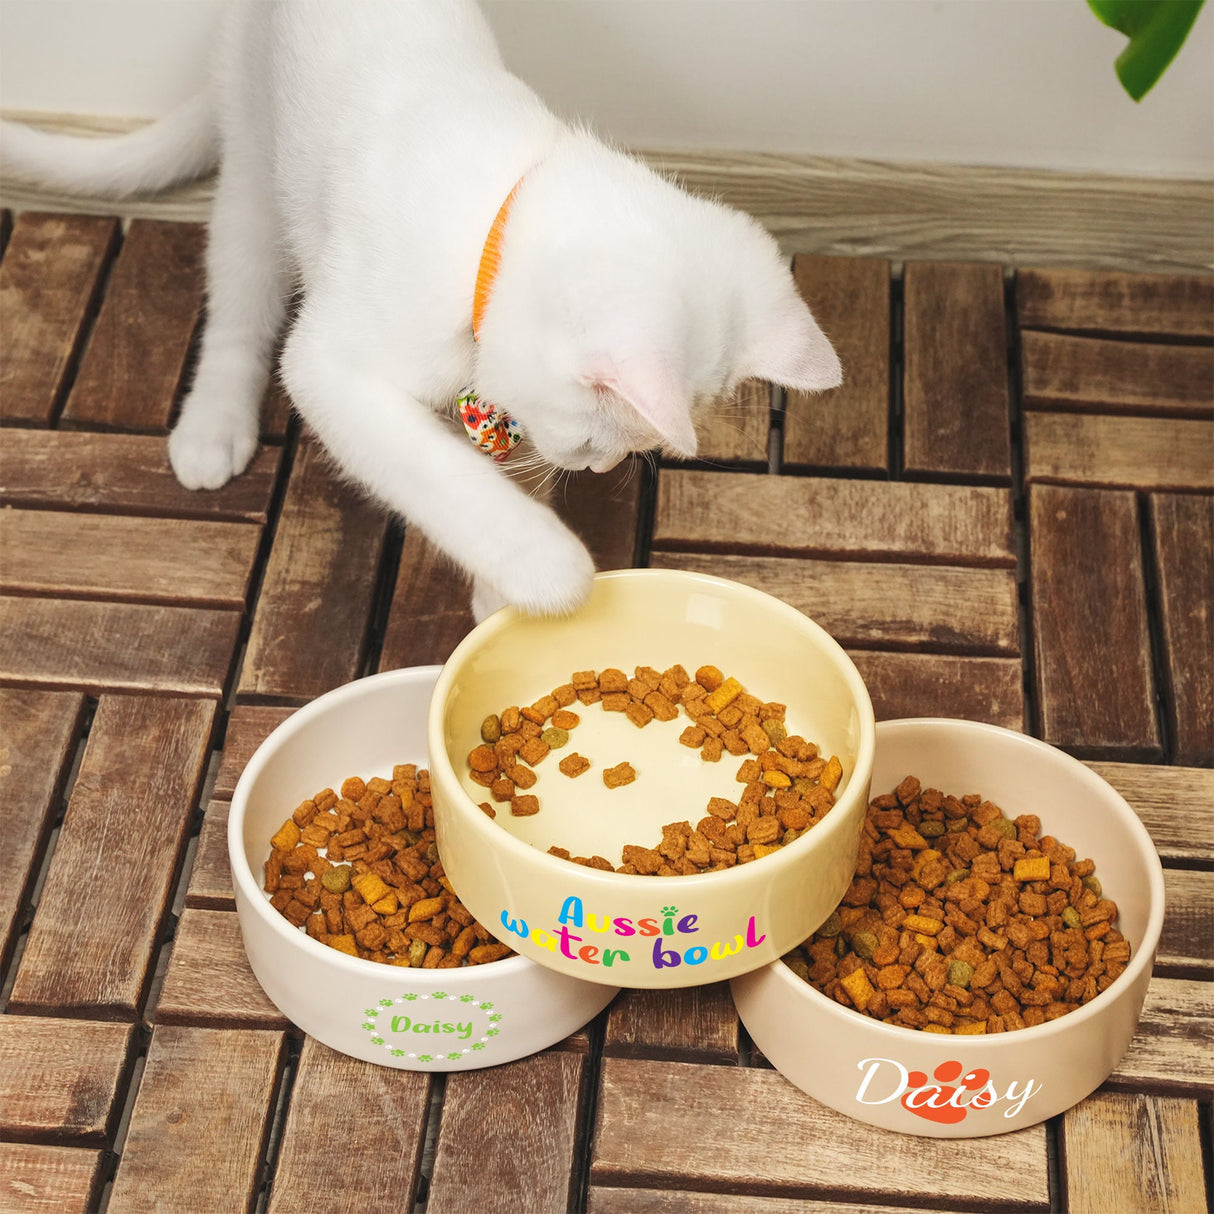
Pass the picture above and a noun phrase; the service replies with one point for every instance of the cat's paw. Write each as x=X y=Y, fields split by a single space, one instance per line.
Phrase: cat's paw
x=207 y=453
x=549 y=574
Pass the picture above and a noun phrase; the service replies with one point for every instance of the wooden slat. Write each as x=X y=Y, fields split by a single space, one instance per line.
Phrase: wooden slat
x=955 y=377
x=116 y=646
x=61 y=1079
x=604 y=511
x=680 y=1125
x=49 y=1180
x=48 y=281
x=1095 y=689
x=1133 y=1152
x=508 y=1131
x=210 y=885
x=1103 y=301
x=127 y=473
x=608 y=1200
x=1182 y=534
x=1064 y=372
x=884 y=605
x=248 y=726
x=692 y=1024
x=150 y=560
x=736 y=431
x=943 y=685
x=792 y=515
x=130 y=374
x=1186 y=947
x=313 y=614
x=199 y=1122
x=1173 y=1049
x=38 y=735
x=1175 y=803
x=275 y=411
x=1131 y=452
x=847 y=427
x=209 y=981
x=336 y=1092
x=430 y=611
x=123 y=832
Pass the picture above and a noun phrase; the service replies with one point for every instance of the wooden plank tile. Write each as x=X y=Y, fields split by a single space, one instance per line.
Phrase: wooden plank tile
x=1175 y=803
x=49 y=1180
x=1186 y=948
x=940 y=608
x=127 y=473
x=1173 y=1049
x=791 y=515
x=131 y=371
x=692 y=1023
x=49 y=278
x=1130 y=452
x=847 y=427
x=736 y=431
x=1123 y=1151
x=1095 y=689
x=199 y=1122
x=209 y=981
x=313 y=614
x=131 y=806
x=210 y=884
x=103 y=556
x=1182 y=535
x=604 y=511
x=38 y=735
x=336 y=1092
x=608 y=1200
x=955 y=378
x=943 y=685
x=248 y=726
x=275 y=411
x=61 y=1079
x=1109 y=301
x=506 y=1131
x=6 y=228
x=97 y=647
x=430 y=612
x=1060 y=371
x=680 y=1125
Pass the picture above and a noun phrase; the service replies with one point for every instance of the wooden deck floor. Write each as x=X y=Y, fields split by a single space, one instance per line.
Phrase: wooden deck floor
x=1006 y=514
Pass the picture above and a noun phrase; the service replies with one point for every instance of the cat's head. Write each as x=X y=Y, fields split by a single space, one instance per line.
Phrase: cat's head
x=623 y=307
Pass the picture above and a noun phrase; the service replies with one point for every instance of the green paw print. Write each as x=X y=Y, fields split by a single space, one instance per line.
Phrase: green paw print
x=478 y=1045
x=385 y=1003
x=492 y=1032
x=495 y=1017
x=368 y=1025
x=377 y=1041
x=424 y=1058
x=466 y=998
x=439 y=995
x=398 y=1053
x=486 y=1006
x=455 y=1055
x=370 y=1011
x=410 y=996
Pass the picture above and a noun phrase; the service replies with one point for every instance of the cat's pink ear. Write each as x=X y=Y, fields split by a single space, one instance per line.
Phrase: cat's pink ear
x=791 y=349
x=652 y=389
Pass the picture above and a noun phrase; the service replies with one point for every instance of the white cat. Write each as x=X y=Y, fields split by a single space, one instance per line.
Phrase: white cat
x=365 y=150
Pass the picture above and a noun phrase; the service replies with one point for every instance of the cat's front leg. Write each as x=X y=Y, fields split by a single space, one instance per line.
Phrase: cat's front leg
x=515 y=549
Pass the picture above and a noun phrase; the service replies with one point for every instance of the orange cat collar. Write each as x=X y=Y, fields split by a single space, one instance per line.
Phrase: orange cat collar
x=491 y=258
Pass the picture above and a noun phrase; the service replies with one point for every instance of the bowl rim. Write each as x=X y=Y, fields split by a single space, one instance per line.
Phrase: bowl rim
x=254 y=896
x=1143 y=956
x=496 y=835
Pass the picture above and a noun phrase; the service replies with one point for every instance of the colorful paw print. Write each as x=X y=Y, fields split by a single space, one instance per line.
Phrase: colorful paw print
x=439 y=995
x=466 y=998
x=939 y=1106
x=410 y=996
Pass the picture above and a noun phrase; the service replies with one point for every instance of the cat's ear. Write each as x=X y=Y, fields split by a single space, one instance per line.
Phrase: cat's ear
x=789 y=348
x=653 y=390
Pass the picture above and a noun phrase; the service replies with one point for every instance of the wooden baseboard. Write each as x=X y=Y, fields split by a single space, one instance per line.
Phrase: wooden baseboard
x=900 y=211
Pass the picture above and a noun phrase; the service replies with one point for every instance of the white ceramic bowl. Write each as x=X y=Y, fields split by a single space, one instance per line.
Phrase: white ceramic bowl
x=626 y=929
x=413 y=1019
x=877 y=1072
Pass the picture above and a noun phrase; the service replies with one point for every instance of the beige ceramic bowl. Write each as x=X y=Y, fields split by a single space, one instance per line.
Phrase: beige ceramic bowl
x=414 y=1019
x=924 y=1083
x=631 y=930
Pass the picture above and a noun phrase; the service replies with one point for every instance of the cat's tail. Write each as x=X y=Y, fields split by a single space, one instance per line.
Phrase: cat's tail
x=181 y=146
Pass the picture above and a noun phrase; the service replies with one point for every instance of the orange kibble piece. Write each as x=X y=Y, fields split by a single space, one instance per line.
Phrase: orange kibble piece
x=482 y=758
x=1032 y=868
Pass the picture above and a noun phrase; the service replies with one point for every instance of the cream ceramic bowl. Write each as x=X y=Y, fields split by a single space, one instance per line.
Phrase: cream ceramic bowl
x=923 y=1083
x=623 y=929
x=413 y=1019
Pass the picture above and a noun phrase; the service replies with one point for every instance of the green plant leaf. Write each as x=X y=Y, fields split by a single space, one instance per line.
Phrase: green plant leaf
x=1156 y=30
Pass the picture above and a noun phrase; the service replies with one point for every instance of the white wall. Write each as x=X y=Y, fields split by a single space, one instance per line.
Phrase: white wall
x=1005 y=82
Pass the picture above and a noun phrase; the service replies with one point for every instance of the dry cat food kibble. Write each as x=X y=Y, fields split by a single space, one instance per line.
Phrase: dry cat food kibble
x=788 y=786
x=359 y=871
x=961 y=920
